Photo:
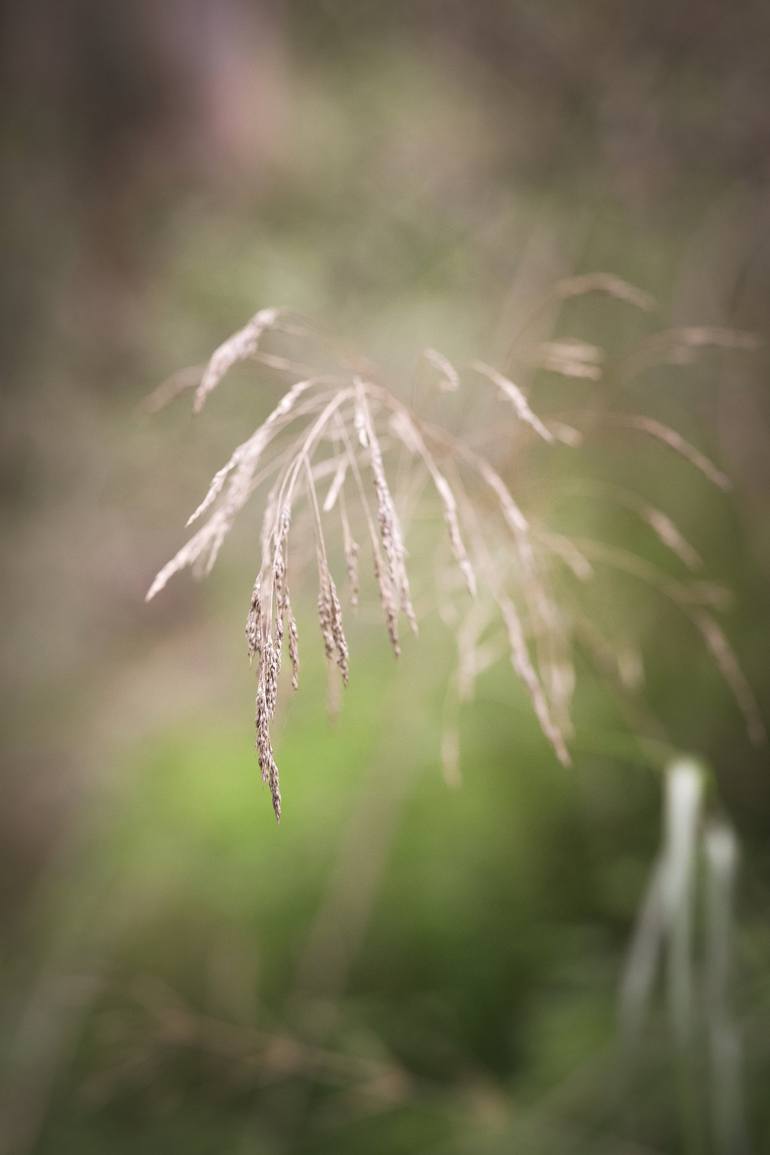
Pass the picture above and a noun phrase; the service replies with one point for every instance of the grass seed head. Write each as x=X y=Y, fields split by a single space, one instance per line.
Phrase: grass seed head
x=342 y=430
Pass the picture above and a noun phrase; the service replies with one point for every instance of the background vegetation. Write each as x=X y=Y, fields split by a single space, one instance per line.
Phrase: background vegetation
x=399 y=967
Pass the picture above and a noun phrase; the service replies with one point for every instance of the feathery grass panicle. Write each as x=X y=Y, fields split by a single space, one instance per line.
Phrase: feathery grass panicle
x=340 y=429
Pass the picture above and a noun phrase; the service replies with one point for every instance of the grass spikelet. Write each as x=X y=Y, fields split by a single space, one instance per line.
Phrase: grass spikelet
x=351 y=548
x=674 y=440
x=566 y=434
x=516 y=397
x=671 y=536
x=449 y=379
x=254 y=622
x=683 y=346
x=267 y=763
x=387 y=518
x=664 y=528
x=329 y=608
x=162 y=395
x=607 y=284
x=728 y=665
x=190 y=553
x=332 y=630
x=570 y=358
x=522 y=664
x=575 y=560
x=237 y=347
x=336 y=486
x=413 y=440
x=293 y=646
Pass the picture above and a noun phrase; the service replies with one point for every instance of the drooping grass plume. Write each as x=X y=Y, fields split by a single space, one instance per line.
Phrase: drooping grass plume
x=325 y=453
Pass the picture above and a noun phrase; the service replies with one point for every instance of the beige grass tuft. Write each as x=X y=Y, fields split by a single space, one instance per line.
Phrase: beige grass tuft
x=324 y=458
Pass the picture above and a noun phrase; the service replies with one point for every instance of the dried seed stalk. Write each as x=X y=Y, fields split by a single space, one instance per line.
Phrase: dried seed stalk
x=336 y=429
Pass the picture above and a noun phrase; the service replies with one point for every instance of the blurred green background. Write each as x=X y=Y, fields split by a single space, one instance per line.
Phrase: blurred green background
x=400 y=966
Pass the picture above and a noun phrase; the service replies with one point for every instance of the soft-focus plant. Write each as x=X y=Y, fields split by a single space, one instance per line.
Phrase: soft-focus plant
x=698 y=852
x=324 y=460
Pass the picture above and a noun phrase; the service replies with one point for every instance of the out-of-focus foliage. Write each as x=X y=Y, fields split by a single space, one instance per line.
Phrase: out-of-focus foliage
x=400 y=966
